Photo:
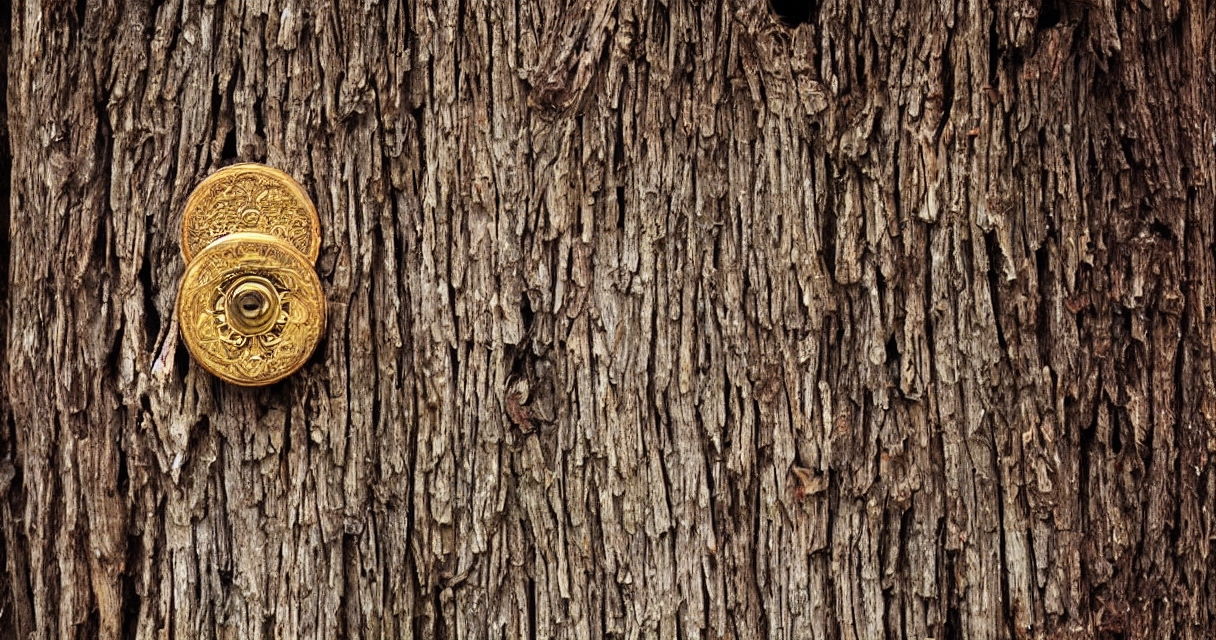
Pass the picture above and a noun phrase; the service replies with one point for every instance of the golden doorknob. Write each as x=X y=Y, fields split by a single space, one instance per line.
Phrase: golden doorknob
x=250 y=305
x=250 y=197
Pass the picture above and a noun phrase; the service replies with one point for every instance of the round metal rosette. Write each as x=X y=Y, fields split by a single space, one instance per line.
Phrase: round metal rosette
x=251 y=308
x=255 y=198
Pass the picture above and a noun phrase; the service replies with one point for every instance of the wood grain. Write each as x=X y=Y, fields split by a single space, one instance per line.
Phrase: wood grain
x=646 y=319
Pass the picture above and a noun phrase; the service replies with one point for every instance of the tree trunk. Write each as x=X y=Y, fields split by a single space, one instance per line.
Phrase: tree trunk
x=884 y=319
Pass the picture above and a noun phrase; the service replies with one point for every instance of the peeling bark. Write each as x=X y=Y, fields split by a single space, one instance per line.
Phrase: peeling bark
x=646 y=320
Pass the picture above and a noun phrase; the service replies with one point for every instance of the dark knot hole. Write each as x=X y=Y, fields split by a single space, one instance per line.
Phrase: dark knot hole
x=792 y=12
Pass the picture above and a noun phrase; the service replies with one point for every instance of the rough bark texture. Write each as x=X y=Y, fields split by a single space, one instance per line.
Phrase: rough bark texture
x=647 y=319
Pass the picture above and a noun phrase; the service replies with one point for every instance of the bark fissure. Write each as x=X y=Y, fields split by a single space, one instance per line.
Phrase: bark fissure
x=16 y=609
x=741 y=319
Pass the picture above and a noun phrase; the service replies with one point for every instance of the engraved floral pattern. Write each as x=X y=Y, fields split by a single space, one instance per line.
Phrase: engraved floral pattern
x=250 y=198
x=223 y=349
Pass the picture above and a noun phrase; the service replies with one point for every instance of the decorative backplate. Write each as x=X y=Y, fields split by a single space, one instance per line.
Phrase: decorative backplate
x=250 y=197
x=251 y=308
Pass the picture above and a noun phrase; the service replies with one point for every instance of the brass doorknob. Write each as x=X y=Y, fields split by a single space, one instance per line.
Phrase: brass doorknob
x=250 y=304
x=250 y=197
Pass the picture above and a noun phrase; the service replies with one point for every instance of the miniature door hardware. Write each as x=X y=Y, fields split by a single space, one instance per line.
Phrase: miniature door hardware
x=250 y=305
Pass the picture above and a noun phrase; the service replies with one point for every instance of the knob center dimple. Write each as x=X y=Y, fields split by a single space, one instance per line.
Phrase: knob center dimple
x=253 y=305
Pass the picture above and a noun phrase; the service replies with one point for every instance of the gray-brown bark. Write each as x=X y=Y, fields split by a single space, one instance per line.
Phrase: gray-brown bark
x=646 y=319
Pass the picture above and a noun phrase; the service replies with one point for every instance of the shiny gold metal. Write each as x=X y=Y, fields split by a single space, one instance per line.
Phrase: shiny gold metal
x=251 y=308
x=250 y=197
x=250 y=305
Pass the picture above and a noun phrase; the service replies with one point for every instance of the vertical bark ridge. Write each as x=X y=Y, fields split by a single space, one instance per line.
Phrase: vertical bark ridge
x=645 y=319
x=14 y=592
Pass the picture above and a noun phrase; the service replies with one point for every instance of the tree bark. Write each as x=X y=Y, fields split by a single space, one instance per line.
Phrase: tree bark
x=647 y=319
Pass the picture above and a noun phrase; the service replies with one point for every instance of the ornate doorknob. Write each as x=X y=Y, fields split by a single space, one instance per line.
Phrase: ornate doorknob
x=250 y=304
